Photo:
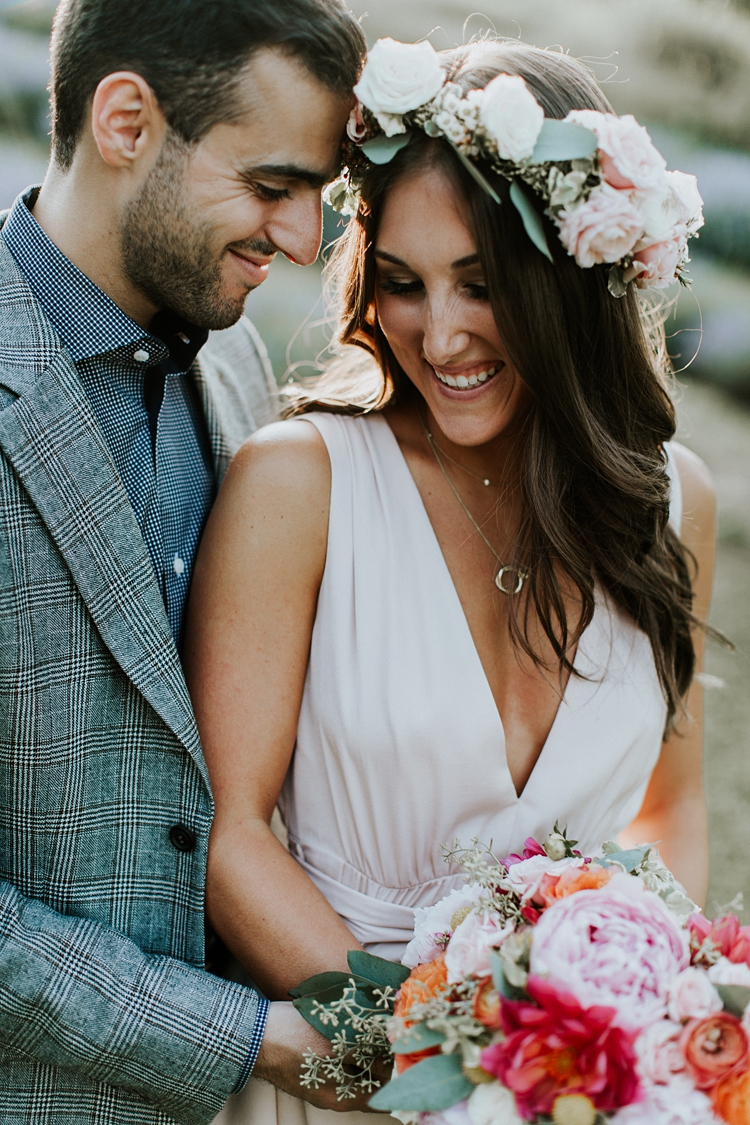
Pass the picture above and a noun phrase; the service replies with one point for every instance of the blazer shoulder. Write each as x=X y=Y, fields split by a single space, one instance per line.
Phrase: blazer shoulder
x=28 y=342
x=236 y=372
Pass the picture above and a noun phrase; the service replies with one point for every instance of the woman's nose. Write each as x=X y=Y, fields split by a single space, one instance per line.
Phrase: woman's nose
x=446 y=336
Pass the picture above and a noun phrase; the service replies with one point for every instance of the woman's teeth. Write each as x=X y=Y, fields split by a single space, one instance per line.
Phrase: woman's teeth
x=462 y=381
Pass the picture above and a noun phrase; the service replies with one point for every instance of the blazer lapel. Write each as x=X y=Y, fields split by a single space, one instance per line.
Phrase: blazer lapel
x=50 y=435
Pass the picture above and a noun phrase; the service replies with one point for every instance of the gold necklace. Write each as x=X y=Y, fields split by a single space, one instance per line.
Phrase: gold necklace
x=520 y=572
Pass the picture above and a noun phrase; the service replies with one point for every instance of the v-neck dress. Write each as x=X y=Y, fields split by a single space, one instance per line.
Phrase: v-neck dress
x=400 y=746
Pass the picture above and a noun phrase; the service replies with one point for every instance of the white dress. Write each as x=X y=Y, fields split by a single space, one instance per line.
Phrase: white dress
x=400 y=746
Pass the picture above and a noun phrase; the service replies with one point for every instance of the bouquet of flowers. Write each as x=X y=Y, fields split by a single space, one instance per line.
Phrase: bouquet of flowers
x=552 y=987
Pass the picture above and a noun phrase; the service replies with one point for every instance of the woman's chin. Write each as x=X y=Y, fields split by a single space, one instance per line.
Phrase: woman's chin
x=473 y=415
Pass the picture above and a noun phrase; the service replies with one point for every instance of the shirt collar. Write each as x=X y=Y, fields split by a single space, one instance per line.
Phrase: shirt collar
x=88 y=322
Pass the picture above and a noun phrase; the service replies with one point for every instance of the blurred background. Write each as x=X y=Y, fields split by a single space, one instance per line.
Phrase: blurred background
x=683 y=68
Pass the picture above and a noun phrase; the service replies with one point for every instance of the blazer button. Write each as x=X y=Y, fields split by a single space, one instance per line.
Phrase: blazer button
x=182 y=838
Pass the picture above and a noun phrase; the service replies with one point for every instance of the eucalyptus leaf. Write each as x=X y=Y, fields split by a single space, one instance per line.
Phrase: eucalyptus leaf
x=435 y=1083
x=531 y=220
x=562 y=140
x=735 y=998
x=474 y=172
x=501 y=982
x=305 y=1006
x=419 y=1038
x=323 y=982
x=382 y=149
x=376 y=969
x=629 y=859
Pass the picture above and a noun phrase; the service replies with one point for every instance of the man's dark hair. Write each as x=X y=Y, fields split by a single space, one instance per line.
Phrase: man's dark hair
x=191 y=53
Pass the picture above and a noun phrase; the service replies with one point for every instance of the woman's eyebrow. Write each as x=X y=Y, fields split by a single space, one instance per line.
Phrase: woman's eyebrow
x=459 y=264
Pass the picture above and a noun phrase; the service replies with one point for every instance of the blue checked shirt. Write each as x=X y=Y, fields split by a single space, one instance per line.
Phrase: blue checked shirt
x=149 y=413
x=137 y=385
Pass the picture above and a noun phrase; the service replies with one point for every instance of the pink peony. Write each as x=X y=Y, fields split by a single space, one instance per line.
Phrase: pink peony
x=559 y=1047
x=603 y=229
x=627 y=156
x=730 y=938
x=659 y=1053
x=654 y=266
x=692 y=996
x=619 y=946
x=468 y=952
x=679 y=1103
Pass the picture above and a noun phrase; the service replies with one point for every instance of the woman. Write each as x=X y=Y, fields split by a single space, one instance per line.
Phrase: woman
x=469 y=610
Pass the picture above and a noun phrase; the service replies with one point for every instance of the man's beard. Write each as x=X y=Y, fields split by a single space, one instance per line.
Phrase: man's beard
x=168 y=251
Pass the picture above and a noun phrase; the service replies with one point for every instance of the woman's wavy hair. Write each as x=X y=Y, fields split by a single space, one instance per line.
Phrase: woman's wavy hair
x=594 y=479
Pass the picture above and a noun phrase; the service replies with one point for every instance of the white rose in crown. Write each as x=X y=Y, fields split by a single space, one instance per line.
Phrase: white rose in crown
x=511 y=116
x=398 y=77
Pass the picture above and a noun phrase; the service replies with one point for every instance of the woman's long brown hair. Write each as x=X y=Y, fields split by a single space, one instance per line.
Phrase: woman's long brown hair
x=596 y=490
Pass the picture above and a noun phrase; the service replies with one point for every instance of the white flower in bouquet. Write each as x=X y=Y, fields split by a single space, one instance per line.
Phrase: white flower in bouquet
x=627 y=155
x=493 y=1104
x=468 y=953
x=433 y=924
x=692 y=996
x=678 y=1103
x=729 y=972
x=526 y=876
x=398 y=77
x=511 y=116
x=455 y=1115
x=659 y=1053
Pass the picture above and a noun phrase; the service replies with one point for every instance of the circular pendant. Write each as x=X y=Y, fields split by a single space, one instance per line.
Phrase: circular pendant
x=521 y=576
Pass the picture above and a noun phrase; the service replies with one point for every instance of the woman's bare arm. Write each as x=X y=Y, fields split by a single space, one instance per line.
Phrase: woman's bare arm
x=674 y=809
x=250 y=619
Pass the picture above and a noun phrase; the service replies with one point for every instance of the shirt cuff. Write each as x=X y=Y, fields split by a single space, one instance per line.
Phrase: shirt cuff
x=255 y=1042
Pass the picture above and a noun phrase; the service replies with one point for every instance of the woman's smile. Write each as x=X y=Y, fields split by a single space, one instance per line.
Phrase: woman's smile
x=468 y=377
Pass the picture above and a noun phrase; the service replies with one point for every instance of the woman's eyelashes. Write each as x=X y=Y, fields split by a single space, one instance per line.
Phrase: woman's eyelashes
x=475 y=290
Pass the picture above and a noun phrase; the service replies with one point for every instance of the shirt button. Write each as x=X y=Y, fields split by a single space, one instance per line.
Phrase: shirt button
x=178 y=565
x=141 y=356
x=182 y=838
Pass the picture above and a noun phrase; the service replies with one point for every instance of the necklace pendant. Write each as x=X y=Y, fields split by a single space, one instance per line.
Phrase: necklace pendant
x=521 y=575
x=486 y=483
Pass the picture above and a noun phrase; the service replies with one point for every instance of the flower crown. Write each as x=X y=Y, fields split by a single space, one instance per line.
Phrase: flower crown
x=604 y=184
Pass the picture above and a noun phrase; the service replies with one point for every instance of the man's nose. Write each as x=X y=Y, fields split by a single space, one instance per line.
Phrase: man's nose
x=297 y=230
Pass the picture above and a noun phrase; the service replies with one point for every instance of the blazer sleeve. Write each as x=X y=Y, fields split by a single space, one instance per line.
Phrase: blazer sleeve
x=77 y=994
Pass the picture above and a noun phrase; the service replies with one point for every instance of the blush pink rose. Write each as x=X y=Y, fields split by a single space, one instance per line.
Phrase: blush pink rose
x=468 y=952
x=603 y=229
x=619 y=946
x=525 y=877
x=659 y=1053
x=355 y=126
x=692 y=996
x=679 y=1103
x=654 y=266
x=627 y=156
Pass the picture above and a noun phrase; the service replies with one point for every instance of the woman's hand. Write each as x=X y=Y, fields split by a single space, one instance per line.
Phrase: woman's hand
x=252 y=607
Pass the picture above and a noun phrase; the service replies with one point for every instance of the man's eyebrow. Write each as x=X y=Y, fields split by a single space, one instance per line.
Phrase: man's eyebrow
x=459 y=264
x=297 y=172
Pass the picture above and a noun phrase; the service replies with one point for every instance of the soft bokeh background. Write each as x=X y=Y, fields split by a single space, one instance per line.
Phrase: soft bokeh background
x=683 y=68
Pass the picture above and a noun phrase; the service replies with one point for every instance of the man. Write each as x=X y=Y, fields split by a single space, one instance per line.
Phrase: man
x=190 y=145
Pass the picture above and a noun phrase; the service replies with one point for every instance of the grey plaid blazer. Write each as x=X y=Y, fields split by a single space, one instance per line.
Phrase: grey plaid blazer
x=107 y=1014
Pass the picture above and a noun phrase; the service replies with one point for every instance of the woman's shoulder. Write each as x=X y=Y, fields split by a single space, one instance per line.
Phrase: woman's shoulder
x=696 y=485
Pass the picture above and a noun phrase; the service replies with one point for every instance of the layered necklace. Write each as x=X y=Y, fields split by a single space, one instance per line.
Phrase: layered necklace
x=520 y=572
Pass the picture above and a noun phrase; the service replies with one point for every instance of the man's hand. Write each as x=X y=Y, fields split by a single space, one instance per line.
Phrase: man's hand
x=285 y=1040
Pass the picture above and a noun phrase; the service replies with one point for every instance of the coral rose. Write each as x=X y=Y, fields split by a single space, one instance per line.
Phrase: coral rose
x=590 y=878
x=731 y=1098
x=487 y=1005
x=603 y=229
x=714 y=1048
x=404 y=1062
x=561 y=1048
x=422 y=983
x=618 y=946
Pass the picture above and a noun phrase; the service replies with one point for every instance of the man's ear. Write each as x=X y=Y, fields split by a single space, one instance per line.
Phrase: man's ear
x=126 y=119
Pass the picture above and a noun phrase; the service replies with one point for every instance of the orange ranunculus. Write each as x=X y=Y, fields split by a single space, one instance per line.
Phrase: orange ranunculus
x=731 y=1098
x=572 y=879
x=487 y=1005
x=714 y=1048
x=403 y=1062
x=424 y=982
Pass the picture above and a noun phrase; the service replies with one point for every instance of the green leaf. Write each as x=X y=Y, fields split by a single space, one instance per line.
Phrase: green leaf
x=735 y=998
x=418 y=1038
x=501 y=982
x=382 y=149
x=473 y=171
x=562 y=140
x=433 y=1084
x=377 y=969
x=630 y=859
x=323 y=982
x=306 y=1004
x=531 y=220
